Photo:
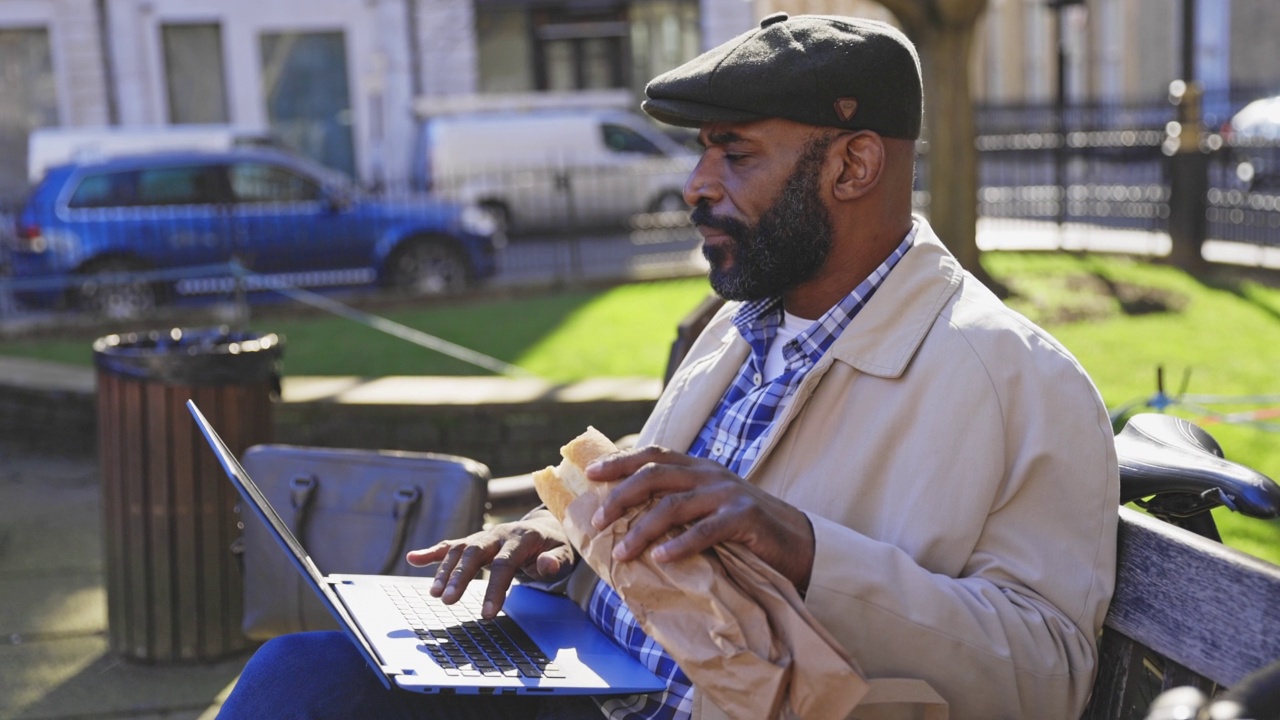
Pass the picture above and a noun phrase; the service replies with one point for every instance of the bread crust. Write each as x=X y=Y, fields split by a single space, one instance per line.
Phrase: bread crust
x=559 y=486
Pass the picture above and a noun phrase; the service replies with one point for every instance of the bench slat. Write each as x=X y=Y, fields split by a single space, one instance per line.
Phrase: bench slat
x=1210 y=608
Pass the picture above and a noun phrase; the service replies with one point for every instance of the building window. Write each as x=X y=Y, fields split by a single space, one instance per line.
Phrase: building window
x=304 y=80
x=194 y=73
x=577 y=50
x=664 y=35
x=505 y=49
x=561 y=46
x=28 y=100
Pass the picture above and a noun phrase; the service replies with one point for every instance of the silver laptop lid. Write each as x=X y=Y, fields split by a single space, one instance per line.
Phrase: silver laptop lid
x=256 y=500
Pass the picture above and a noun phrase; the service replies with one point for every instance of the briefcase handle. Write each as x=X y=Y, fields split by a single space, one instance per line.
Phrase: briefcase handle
x=302 y=489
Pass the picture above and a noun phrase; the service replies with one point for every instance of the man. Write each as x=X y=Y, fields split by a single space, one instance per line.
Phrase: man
x=932 y=471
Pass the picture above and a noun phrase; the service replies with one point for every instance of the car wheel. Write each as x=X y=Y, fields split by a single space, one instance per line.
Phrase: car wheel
x=500 y=214
x=428 y=267
x=111 y=291
x=669 y=201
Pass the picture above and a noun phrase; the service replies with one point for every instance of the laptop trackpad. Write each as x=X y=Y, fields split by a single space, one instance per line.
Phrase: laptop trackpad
x=561 y=628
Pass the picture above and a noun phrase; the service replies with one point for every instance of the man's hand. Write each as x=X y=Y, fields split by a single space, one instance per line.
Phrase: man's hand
x=536 y=544
x=716 y=504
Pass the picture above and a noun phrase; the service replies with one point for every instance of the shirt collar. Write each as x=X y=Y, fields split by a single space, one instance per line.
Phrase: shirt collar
x=757 y=321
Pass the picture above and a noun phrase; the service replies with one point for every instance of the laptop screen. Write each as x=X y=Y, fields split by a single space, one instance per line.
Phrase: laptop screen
x=254 y=497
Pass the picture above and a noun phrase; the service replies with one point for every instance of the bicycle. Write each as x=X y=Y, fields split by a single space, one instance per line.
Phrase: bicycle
x=1257 y=697
x=1178 y=473
x=1201 y=406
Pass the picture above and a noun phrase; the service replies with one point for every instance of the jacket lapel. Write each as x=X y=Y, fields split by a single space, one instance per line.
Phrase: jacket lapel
x=695 y=391
x=880 y=341
x=886 y=333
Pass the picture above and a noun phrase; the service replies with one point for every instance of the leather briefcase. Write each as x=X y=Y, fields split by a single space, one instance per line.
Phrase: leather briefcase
x=355 y=512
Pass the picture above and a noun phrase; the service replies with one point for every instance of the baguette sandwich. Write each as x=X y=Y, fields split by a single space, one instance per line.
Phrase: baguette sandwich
x=734 y=625
x=561 y=485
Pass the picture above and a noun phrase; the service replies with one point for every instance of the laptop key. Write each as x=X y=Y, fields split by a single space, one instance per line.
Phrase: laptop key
x=529 y=670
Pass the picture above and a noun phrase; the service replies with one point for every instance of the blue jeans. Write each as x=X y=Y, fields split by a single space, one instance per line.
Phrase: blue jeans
x=320 y=675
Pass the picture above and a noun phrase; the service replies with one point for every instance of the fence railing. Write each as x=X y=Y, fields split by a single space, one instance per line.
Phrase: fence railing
x=1098 y=166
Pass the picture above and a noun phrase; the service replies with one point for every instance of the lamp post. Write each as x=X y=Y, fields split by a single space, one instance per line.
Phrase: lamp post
x=1188 y=162
x=1060 y=107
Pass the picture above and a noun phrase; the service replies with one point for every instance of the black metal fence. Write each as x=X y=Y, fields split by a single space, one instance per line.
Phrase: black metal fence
x=1107 y=166
x=1101 y=167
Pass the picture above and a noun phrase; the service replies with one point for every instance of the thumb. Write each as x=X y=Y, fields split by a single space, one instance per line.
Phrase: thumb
x=553 y=564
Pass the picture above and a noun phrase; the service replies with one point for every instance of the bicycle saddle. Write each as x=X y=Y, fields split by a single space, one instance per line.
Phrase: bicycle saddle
x=1167 y=456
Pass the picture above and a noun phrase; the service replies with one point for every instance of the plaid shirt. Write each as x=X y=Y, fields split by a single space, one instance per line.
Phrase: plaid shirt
x=734 y=436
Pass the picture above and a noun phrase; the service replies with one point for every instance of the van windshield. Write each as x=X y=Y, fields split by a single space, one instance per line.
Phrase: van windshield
x=625 y=140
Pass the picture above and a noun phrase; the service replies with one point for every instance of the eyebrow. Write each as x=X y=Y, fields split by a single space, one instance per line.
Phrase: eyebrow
x=720 y=137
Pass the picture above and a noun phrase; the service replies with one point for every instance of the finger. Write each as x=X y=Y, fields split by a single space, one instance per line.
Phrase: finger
x=453 y=553
x=426 y=556
x=472 y=561
x=697 y=537
x=651 y=480
x=626 y=462
x=515 y=553
x=671 y=512
x=552 y=564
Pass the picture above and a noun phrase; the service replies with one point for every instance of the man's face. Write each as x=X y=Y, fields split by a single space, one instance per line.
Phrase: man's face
x=788 y=241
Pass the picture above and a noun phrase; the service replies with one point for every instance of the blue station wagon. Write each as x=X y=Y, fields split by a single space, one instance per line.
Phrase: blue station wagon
x=121 y=235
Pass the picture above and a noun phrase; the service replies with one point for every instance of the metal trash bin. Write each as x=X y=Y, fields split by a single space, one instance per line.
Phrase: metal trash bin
x=174 y=588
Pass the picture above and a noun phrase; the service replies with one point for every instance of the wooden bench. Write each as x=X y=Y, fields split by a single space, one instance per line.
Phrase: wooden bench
x=1186 y=611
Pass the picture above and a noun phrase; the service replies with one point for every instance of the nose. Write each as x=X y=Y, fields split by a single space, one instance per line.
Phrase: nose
x=702 y=184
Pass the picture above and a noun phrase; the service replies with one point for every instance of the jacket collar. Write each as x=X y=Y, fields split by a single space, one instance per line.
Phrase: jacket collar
x=880 y=341
x=885 y=335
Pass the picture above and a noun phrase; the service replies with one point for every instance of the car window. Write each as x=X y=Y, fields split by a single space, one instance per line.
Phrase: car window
x=623 y=139
x=190 y=185
x=106 y=190
x=261 y=183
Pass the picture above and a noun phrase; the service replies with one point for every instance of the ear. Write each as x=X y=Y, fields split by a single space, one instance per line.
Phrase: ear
x=862 y=161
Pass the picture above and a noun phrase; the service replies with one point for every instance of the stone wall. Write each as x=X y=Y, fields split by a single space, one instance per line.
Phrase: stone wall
x=512 y=425
x=509 y=438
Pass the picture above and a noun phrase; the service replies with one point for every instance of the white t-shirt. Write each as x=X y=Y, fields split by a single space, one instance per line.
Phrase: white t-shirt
x=774 y=363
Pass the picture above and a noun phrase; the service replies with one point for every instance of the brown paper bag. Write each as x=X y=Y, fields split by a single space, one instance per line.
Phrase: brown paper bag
x=736 y=626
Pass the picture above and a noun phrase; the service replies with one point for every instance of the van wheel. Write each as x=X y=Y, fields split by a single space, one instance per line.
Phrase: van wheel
x=110 y=290
x=669 y=201
x=428 y=267
x=500 y=214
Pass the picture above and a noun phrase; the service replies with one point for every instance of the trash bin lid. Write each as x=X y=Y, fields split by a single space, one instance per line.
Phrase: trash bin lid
x=191 y=356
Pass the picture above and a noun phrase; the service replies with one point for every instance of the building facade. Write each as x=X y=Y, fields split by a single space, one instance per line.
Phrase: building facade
x=1127 y=51
x=337 y=79
x=334 y=79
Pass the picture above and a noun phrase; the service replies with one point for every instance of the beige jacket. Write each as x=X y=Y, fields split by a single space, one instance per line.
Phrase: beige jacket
x=958 y=468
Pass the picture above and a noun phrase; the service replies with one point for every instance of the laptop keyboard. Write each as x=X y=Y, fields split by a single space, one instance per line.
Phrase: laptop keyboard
x=466 y=645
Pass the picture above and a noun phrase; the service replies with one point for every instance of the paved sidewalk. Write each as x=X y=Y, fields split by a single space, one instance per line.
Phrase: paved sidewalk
x=55 y=663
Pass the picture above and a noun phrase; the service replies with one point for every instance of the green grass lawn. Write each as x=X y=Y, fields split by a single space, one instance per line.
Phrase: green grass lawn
x=1227 y=334
x=620 y=331
x=1121 y=318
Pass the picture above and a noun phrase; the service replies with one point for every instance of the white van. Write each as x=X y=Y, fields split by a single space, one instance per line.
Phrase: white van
x=52 y=146
x=537 y=170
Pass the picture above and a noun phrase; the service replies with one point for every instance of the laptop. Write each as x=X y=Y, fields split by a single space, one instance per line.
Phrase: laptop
x=540 y=643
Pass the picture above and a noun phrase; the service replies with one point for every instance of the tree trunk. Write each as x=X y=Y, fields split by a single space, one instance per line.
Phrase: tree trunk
x=945 y=50
x=943 y=33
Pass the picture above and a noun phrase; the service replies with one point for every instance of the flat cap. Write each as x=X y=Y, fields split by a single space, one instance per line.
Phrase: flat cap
x=819 y=70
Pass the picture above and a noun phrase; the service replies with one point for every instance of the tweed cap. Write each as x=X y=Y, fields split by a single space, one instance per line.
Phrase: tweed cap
x=819 y=70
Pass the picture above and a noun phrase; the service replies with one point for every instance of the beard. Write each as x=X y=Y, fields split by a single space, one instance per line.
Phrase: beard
x=784 y=248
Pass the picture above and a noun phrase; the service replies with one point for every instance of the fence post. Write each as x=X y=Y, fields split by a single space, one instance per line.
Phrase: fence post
x=1188 y=179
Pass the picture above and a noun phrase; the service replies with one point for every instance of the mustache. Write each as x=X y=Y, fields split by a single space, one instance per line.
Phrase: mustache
x=733 y=227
